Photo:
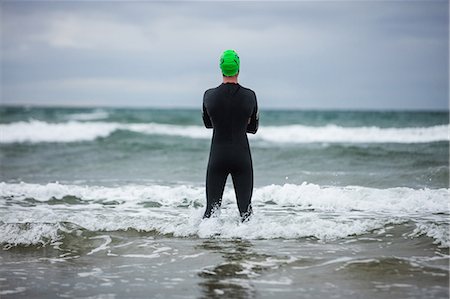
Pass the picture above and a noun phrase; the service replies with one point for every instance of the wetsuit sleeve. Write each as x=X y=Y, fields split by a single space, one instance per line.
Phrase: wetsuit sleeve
x=252 y=127
x=206 y=119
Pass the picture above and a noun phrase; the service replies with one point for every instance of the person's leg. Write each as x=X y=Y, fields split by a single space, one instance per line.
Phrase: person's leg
x=215 y=184
x=243 y=186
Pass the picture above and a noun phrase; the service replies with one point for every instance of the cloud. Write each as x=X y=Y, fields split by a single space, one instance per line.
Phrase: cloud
x=128 y=85
x=79 y=32
x=360 y=55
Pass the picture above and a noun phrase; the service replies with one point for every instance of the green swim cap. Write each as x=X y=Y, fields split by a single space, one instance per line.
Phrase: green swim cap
x=229 y=63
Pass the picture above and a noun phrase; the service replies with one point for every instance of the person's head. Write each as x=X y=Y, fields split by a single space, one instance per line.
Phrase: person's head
x=229 y=63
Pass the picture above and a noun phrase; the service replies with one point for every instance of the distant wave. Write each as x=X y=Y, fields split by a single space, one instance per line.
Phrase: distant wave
x=35 y=131
x=336 y=134
x=94 y=115
x=281 y=211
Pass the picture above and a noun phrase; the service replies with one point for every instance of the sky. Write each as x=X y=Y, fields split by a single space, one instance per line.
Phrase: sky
x=363 y=55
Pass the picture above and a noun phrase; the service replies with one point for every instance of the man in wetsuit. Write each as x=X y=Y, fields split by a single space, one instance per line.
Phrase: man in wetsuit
x=231 y=111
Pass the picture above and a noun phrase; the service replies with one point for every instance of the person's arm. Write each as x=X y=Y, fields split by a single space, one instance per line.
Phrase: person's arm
x=253 y=121
x=206 y=119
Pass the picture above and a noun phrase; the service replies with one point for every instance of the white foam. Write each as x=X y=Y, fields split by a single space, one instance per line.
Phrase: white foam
x=35 y=131
x=103 y=246
x=29 y=234
x=284 y=227
x=96 y=114
x=441 y=236
x=147 y=256
x=288 y=211
x=191 y=256
x=195 y=132
x=94 y=272
x=398 y=201
x=128 y=194
x=282 y=281
x=13 y=291
x=336 y=134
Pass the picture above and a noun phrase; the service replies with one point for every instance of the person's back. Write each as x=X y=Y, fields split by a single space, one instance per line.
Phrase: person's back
x=229 y=107
x=232 y=111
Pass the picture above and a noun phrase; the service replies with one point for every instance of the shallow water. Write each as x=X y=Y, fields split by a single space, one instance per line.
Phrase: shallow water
x=131 y=264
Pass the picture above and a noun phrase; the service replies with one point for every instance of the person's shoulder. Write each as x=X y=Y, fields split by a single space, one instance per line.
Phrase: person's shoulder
x=246 y=88
x=211 y=90
x=248 y=91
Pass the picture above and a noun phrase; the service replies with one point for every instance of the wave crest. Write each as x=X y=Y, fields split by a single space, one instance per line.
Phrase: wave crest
x=35 y=131
x=287 y=211
x=306 y=196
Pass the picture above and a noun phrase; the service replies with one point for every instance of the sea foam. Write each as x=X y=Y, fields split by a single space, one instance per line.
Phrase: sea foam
x=93 y=115
x=281 y=211
x=308 y=196
x=35 y=131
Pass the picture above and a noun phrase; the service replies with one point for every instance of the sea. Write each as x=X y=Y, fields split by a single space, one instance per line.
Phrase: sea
x=108 y=203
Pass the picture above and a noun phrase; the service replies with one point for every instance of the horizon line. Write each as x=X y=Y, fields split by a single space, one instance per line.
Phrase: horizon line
x=179 y=107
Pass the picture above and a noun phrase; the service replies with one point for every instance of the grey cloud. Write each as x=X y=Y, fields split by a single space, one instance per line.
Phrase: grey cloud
x=360 y=55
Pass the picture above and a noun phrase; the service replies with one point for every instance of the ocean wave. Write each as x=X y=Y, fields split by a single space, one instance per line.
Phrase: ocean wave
x=337 y=134
x=308 y=196
x=190 y=224
x=93 y=115
x=35 y=131
x=281 y=211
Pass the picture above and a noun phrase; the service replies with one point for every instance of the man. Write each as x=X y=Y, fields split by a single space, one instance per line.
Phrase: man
x=231 y=111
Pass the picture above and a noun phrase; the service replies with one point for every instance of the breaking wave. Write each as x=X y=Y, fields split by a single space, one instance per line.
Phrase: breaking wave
x=38 y=214
x=35 y=131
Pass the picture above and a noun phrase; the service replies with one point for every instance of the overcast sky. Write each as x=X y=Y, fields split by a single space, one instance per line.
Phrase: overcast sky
x=302 y=54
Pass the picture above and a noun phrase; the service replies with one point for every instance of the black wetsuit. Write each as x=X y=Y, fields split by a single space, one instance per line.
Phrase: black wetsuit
x=232 y=111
